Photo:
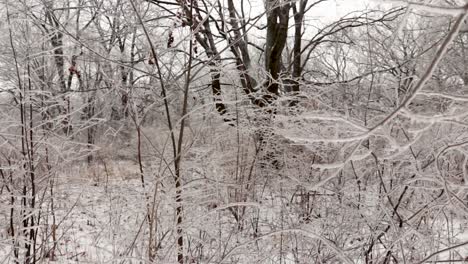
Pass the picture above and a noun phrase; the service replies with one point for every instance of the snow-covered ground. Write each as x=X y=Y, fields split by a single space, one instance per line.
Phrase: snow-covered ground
x=103 y=221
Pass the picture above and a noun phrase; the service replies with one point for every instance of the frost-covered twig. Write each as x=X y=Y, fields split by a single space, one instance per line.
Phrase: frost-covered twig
x=430 y=70
x=305 y=233
x=442 y=10
x=418 y=87
x=442 y=251
x=462 y=98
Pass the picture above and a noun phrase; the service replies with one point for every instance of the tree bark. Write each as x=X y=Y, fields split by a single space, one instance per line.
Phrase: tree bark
x=240 y=50
x=298 y=20
x=277 y=33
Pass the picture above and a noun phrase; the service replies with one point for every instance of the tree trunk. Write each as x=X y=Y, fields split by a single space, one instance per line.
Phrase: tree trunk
x=298 y=20
x=277 y=33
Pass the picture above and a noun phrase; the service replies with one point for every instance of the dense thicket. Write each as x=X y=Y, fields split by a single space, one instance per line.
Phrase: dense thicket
x=222 y=131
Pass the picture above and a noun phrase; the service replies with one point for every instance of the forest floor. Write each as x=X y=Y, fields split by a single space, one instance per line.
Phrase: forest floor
x=100 y=220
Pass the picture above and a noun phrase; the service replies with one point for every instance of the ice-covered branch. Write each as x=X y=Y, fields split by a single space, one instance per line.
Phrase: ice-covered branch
x=441 y=10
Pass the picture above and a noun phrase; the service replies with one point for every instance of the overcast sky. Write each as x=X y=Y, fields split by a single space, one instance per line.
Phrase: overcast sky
x=337 y=8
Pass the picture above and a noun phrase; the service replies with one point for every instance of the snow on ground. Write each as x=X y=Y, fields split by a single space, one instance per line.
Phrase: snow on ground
x=101 y=221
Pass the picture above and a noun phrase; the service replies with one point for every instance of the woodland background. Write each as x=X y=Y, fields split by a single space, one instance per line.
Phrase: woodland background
x=233 y=131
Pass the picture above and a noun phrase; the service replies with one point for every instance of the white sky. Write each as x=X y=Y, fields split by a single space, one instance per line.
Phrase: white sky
x=336 y=8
